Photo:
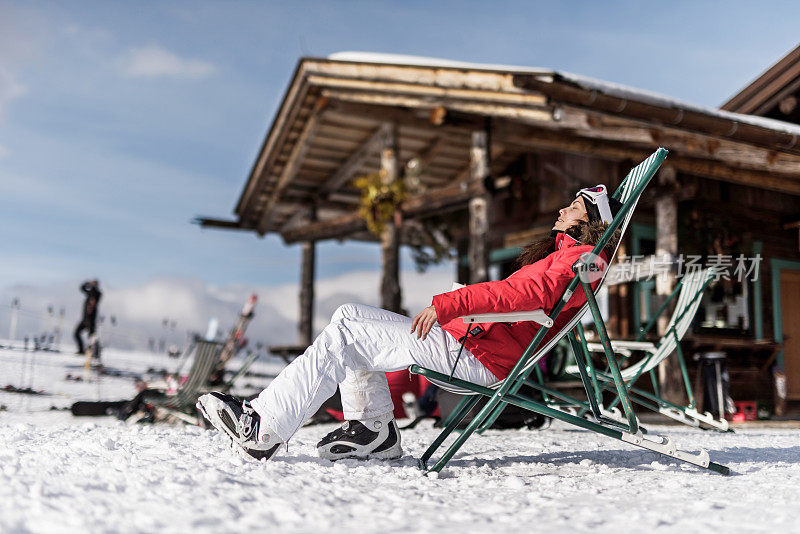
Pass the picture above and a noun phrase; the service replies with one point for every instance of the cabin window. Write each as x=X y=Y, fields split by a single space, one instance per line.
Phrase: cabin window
x=726 y=306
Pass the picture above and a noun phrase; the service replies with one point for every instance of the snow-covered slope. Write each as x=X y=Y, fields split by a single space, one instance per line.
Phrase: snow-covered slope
x=61 y=474
x=70 y=476
x=62 y=379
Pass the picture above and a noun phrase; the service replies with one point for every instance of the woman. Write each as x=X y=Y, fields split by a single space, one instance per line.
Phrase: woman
x=362 y=342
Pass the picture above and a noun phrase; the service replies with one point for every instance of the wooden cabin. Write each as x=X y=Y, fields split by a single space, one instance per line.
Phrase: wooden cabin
x=484 y=155
x=775 y=94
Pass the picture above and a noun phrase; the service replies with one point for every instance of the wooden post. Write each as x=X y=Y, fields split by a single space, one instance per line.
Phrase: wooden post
x=479 y=210
x=462 y=268
x=669 y=372
x=618 y=303
x=305 y=327
x=390 y=238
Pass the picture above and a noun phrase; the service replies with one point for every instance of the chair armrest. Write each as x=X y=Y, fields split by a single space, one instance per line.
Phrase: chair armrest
x=624 y=347
x=538 y=316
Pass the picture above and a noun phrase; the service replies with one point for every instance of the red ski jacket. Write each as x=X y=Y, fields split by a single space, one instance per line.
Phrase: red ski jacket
x=539 y=285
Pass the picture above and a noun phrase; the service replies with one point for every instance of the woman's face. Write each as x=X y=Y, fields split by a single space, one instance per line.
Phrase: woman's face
x=571 y=215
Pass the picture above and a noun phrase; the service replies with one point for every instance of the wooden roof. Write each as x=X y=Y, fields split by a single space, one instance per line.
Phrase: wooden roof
x=764 y=93
x=333 y=118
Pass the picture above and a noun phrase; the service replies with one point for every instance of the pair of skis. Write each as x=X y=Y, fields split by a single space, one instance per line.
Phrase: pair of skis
x=235 y=340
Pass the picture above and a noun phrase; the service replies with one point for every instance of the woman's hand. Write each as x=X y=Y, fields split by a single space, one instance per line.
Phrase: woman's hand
x=423 y=322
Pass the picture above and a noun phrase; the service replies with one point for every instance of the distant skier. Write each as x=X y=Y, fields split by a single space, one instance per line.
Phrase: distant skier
x=89 y=320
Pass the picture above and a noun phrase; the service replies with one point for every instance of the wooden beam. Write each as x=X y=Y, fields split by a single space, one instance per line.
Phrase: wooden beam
x=297 y=218
x=499 y=80
x=480 y=96
x=390 y=237
x=757 y=179
x=338 y=228
x=666 y=227
x=305 y=203
x=439 y=200
x=346 y=171
x=636 y=132
x=669 y=372
x=453 y=124
x=562 y=142
x=319 y=164
x=430 y=152
x=334 y=143
x=222 y=224
x=686 y=118
x=775 y=101
x=428 y=104
x=479 y=209
x=350 y=120
x=305 y=323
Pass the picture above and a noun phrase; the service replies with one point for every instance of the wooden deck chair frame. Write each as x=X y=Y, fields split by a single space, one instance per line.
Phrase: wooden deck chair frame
x=687 y=295
x=507 y=391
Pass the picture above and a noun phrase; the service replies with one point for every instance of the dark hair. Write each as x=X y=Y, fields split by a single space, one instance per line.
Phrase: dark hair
x=588 y=233
x=537 y=250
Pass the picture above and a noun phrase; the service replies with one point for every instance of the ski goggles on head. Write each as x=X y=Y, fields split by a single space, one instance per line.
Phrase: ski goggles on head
x=596 y=200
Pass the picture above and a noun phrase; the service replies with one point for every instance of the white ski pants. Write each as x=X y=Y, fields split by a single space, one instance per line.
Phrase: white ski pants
x=353 y=351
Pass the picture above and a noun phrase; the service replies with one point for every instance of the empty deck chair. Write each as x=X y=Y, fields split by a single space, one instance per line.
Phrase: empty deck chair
x=689 y=292
x=507 y=391
x=248 y=362
x=181 y=404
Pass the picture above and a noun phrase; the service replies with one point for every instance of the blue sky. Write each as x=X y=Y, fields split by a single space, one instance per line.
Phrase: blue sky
x=121 y=121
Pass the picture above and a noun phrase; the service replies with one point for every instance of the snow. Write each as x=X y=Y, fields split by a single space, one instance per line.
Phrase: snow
x=48 y=372
x=657 y=99
x=65 y=474
x=585 y=82
x=423 y=61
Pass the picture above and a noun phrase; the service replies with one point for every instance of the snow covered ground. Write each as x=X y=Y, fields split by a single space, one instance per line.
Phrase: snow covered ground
x=63 y=474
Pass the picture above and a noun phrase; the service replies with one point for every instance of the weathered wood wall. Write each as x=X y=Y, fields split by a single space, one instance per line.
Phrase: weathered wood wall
x=738 y=216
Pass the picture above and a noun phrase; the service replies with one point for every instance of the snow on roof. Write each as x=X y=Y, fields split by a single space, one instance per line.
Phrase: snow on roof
x=657 y=99
x=422 y=61
x=585 y=82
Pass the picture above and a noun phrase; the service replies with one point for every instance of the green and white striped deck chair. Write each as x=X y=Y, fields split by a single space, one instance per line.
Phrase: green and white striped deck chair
x=182 y=404
x=248 y=362
x=507 y=391
x=692 y=287
x=689 y=292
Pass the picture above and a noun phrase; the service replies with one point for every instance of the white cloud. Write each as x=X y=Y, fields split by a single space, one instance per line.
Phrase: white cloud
x=190 y=303
x=154 y=61
x=139 y=311
x=4 y=152
x=22 y=36
x=363 y=287
x=10 y=89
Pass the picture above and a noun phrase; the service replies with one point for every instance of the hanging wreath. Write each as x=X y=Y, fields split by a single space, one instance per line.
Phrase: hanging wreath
x=379 y=200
